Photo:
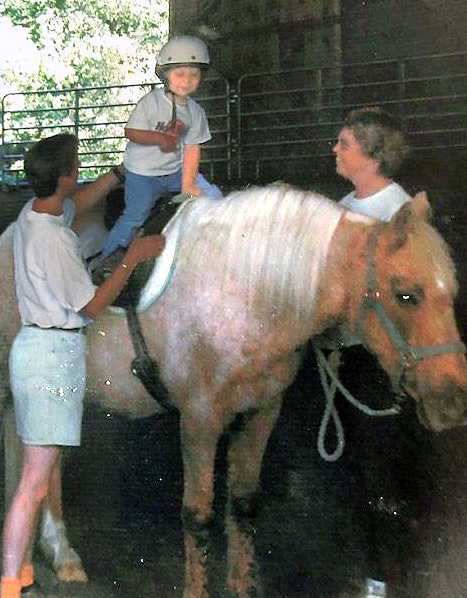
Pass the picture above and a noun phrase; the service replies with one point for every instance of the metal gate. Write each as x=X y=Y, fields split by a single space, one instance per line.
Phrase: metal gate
x=269 y=125
x=288 y=121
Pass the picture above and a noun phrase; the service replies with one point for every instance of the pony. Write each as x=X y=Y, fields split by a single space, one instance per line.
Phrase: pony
x=243 y=284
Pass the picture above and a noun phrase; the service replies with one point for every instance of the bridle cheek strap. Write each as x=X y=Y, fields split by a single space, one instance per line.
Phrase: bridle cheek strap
x=408 y=355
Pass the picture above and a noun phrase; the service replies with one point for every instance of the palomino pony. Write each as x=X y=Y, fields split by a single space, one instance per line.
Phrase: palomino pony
x=254 y=276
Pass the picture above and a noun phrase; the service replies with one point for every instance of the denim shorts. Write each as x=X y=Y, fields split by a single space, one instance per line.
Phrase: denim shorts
x=48 y=380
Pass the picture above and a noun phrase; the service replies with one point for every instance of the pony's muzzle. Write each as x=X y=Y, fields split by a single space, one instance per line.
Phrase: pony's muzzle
x=445 y=409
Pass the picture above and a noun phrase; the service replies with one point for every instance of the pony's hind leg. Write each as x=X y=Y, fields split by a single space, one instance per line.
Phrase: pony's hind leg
x=53 y=537
x=56 y=547
x=13 y=453
x=245 y=456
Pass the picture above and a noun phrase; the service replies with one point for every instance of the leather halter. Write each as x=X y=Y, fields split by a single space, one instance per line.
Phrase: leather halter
x=408 y=355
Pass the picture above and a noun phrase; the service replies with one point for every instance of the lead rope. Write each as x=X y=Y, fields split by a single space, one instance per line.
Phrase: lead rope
x=330 y=382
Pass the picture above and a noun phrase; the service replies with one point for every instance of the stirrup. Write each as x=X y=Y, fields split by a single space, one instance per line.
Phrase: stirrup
x=107 y=266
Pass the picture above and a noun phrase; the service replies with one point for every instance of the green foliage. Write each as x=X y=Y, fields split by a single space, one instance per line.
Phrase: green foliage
x=81 y=43
x=68 y=45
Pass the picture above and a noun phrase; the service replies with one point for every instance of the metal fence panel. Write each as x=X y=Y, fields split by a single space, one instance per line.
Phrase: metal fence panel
x=97 y=116
x=289 y=120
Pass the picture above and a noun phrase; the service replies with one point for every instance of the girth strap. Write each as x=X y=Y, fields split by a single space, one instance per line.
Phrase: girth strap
x=143 y=365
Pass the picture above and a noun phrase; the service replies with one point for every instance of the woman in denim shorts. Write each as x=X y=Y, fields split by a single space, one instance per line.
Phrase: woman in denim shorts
x=56 y=300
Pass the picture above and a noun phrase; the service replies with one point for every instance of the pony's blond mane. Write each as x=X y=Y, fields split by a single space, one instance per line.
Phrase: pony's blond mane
x=269 y=242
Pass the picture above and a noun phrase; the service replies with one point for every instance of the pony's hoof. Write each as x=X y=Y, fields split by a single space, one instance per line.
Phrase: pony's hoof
x=32 y=591
x=374 y=589
x=71 y=572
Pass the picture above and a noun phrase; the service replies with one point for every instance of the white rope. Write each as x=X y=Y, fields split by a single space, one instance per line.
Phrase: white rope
x=328 y=374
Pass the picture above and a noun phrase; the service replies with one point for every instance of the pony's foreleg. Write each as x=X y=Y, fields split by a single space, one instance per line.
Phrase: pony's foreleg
x=245 y=458
x=199 y=445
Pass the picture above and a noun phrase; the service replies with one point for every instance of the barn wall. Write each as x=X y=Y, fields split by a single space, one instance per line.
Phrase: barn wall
x=382 y=29
x=255 y=35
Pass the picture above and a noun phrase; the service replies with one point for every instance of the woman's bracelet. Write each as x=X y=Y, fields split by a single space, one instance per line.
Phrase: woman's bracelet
x=119 y=173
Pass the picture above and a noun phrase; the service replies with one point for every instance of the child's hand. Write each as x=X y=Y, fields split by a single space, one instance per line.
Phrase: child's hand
x=144 y=248
x=192 y=190
x=171 y=137
x=168 y=141
x=178 y=128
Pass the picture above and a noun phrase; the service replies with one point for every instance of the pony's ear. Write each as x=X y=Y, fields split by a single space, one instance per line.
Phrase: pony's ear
x=421 y=208
x=400 y=224
x=416 y=209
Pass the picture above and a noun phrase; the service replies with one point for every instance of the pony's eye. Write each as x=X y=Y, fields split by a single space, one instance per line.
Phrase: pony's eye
x=407 y=295
x=408 y=299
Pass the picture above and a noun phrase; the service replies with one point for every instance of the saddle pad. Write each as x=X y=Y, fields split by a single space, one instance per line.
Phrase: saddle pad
x=164 y=264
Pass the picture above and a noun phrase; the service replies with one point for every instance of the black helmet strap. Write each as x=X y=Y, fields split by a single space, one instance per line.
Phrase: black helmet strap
x=173 y=122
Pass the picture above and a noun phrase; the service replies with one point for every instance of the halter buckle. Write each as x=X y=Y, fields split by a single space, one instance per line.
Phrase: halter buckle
x=372 y=295
x=407 y=358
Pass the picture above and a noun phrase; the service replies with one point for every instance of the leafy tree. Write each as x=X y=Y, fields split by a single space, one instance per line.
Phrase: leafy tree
x=81 y=43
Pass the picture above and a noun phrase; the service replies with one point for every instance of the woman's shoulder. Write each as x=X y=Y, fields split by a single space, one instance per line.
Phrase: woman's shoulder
x=53 y=237
x=398 y=191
